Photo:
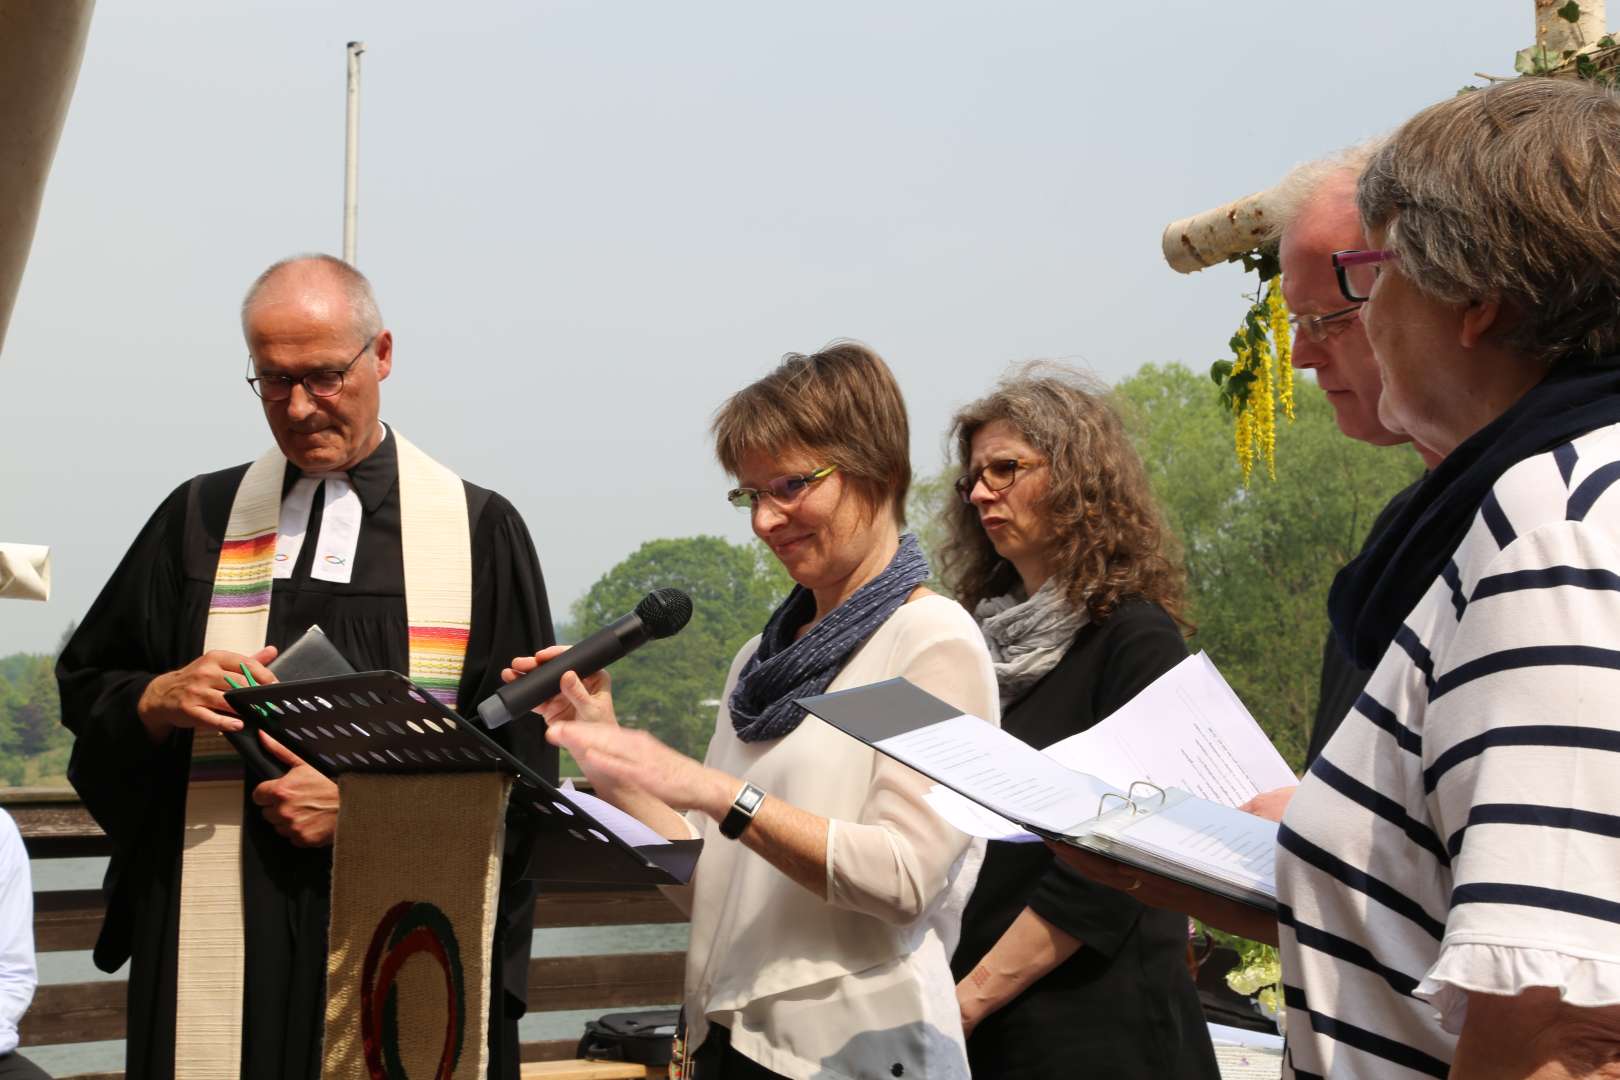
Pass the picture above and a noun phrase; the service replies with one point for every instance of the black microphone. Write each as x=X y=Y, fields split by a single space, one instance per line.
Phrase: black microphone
x=661 y=613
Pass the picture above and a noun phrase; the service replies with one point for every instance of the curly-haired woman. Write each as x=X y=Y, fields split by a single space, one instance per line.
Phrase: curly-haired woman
x=1058 y=549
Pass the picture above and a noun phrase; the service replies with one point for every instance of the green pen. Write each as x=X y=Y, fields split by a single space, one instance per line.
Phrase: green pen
x=234 y=685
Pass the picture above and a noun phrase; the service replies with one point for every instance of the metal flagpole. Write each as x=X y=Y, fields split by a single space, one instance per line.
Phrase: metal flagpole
x=351 y=157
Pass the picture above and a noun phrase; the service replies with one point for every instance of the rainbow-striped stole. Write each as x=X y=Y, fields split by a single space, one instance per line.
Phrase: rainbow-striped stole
x=437 y=543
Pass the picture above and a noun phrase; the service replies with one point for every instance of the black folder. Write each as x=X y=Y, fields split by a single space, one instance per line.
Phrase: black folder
x=381 y=722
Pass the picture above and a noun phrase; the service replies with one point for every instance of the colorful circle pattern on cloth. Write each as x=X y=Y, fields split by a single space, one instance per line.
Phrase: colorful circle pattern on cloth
x=409 y=928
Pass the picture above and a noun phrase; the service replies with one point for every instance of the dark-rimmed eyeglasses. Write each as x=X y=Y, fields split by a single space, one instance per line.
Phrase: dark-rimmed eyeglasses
x=328 y=382
x=1319 y=328
x=1357 y=270
x=784 y=491
x=998 y=475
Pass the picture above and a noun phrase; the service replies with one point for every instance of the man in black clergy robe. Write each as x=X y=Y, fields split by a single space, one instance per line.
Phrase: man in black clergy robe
x=135 y=683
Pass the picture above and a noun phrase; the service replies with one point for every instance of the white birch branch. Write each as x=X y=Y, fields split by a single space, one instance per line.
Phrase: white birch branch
x=1216 y=235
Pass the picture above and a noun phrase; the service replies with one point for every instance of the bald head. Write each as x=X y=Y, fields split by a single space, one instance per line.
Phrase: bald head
x=324 y=287
x=1327 y=215
x=1320 y=219
x=315 y=315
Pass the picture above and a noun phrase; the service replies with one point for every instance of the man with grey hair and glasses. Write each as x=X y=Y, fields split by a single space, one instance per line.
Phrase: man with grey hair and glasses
x=1314 y=214
x=343 y=524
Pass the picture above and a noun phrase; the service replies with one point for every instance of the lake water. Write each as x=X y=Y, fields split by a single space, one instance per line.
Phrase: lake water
x=72 y=967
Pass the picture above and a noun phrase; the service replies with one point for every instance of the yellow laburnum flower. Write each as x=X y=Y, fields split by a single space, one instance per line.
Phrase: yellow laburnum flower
x=1277 y=312
x=1243 y=435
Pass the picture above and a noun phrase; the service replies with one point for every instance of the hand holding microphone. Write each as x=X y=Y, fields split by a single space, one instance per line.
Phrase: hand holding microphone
x=660 y=614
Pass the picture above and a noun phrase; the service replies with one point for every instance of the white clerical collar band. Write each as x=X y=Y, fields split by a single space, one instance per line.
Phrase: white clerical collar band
x=340 y=528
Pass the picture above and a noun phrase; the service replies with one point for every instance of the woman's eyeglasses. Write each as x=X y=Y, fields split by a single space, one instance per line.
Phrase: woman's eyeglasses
x=997 y=475
x=325 y=383
x=1358 y=270
x=784 y=491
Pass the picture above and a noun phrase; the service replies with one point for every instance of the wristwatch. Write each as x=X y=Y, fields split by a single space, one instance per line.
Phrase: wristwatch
x=741 y=812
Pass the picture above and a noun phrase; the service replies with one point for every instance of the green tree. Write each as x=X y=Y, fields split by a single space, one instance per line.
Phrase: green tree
x=926 y=503
x=669 y=687
x=36 y=713
x=1260 y=558
x=9 y=701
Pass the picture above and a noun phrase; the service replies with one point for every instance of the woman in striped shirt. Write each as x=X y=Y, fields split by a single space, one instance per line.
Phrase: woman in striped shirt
x=1449 y=872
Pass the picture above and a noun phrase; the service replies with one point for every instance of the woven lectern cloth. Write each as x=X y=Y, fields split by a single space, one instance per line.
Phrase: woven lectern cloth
x=415 y=873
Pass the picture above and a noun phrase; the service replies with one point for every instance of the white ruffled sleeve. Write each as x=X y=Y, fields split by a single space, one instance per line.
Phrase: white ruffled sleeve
x=1510 y=970
x=1521 y=718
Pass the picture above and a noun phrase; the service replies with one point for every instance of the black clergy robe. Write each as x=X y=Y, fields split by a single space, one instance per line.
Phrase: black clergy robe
x=150 y=619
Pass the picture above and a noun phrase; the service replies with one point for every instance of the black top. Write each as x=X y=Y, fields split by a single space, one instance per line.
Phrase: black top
x=1124 y=1005
x=149 y=619
x=1342 y=681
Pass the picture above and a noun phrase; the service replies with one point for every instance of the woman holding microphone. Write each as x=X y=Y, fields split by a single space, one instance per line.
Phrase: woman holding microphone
x=823 y=948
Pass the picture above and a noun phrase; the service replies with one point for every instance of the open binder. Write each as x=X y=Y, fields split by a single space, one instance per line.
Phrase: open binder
x=381 y=722
x=1165 y=831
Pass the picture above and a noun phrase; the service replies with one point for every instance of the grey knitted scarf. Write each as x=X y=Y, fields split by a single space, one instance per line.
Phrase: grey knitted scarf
x=784 y=668
x=1027 y=637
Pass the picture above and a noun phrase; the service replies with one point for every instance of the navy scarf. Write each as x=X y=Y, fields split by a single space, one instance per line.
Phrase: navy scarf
x=784 y=668
x=1372 y=596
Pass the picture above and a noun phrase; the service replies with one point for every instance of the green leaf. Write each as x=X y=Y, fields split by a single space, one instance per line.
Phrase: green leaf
x=1267 y=264
x=1536 y=60
x=1236 y=344
x=1570 y=12
x=1219 y=370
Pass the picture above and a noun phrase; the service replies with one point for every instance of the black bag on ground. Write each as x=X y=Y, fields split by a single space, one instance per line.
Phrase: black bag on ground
x=644 y=1038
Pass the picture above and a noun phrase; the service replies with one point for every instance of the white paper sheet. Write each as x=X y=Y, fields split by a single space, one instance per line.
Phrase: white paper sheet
x=25 y=572
x=611 y=818
x=1187 y=730
x=967 y=816
x=1205 y=836
x=1000 y=771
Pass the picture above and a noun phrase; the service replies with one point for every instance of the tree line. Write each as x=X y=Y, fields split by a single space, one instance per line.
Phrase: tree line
x=33 y=743
x=1259 y=560
x=1259 y=557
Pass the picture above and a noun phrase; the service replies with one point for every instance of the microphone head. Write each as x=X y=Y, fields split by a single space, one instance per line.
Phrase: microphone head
x=664 y=612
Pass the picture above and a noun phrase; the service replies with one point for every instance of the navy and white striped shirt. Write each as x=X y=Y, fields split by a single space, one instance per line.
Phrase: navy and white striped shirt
x=1461 y=831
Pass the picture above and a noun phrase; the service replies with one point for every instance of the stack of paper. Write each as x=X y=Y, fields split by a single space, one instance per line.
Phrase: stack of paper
x=1216 y=848
x=1152 y=785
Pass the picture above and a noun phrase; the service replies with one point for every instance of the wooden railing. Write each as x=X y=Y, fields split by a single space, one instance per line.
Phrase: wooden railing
x=54 y=825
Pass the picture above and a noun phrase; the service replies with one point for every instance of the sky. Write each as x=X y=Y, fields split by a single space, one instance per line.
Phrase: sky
x=588 y=223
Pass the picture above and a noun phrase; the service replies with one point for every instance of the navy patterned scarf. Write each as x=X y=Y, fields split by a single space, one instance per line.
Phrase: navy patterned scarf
x=1372 y=596
x=784 y=668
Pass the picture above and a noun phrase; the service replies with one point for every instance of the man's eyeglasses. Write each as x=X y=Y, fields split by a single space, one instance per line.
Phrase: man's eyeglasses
x=1358 y=270
x=325 y=383
x=784 y=491
x=1319 y=328
x=998 y=475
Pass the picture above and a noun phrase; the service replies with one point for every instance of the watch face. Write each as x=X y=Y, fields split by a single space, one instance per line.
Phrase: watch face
x=750 y=799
